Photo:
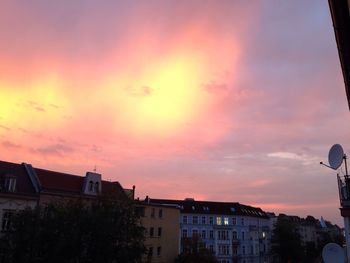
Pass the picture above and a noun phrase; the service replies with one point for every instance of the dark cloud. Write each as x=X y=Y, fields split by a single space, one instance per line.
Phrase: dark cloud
x=8 y=144
x=55 y=150
x=5 y=127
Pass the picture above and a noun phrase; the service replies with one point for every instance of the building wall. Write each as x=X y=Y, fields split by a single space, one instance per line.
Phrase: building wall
x=12 y=204
x=230 y=238
x=164 y=239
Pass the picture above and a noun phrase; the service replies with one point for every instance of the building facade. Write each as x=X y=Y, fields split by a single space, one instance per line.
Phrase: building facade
x=161 y=223
x=22 y=186
x=231 y=231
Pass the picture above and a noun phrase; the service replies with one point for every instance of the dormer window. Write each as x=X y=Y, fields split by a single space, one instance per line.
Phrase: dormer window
x=97 y=187
x=91 y=186
x=9 y=184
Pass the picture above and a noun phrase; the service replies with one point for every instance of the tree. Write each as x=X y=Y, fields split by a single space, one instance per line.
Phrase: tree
x=104 y=230
x=194 y=251
x=287 y=242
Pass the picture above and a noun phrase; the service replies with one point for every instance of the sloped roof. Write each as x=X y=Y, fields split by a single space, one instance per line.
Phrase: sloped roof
x=23 y=183
x=52 y=181
x=209 y=207
x=62 y=182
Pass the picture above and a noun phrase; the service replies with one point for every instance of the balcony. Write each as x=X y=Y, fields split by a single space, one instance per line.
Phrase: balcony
x=344 y=191
x=235 y=242
x=253 y=228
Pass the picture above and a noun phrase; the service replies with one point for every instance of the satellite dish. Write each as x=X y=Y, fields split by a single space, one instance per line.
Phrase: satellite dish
x=335 y=156
x=333 y=253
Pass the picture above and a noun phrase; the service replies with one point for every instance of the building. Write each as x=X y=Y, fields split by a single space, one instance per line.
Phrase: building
x=231 y=231
x=340 y=12
x=161 y=223
x=22 y=185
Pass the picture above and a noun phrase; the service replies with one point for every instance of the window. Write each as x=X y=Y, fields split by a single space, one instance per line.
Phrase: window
x=211 y=248
x=160 y=213
x=184 y=219
x=211 y=234
x=234 y=235
x=6 y=220
x=242 y=235
x=150 y=252
x=91 y=186
x=211 y=221
x=151 y=232
x=218 y=221
x=224 y=249
x=153 y=212
x=194 y=232
x=159 y=231
x=242 y=221
x=203 y=220
x=204 y=234
x=222 y=235
x=195 y=220
x=234 y=221
x=97 y=187
x=251 y=250
x=243 y=250
x=10 y=184
x=225 y=221
x=234 y=251
x=184 y=232
x=159 y=250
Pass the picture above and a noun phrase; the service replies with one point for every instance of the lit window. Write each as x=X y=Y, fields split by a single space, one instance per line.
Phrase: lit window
x=263 y=234
x=218 y=221
x=225 y=221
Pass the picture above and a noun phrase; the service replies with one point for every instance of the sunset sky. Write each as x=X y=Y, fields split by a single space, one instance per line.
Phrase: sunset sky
x=212 y=99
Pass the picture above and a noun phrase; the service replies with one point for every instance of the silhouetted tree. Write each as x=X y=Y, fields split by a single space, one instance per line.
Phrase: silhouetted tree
x=194 y=251
x=104 y=230
x=287 y=242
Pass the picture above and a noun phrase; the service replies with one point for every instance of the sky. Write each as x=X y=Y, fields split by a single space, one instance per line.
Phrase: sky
x=234 y=101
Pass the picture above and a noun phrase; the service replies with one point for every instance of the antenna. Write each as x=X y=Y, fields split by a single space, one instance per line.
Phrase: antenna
x=335 y=156
x=95 y=169
x=333 y=253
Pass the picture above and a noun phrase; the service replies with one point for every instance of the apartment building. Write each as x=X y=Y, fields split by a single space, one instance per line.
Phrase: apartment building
x=22 y=185
x=231 y=231
x=161 y=223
